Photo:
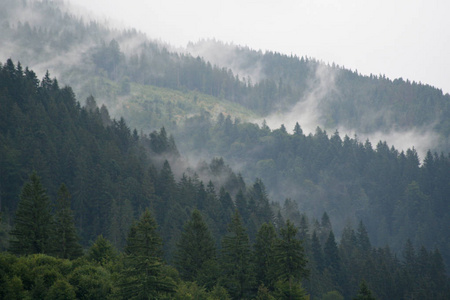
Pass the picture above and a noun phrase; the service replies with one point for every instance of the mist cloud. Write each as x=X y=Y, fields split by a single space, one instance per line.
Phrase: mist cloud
x=306 y=112
x=229 y=56
x=322 y=89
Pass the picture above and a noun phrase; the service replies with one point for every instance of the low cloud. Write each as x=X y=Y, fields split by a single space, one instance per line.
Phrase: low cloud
x=240 y=60
x=307 y=111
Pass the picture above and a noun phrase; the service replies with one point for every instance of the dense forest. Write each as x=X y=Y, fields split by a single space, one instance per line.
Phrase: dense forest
x=137 y=174
x=396 y=195
x=96 y=184
x=113 y=64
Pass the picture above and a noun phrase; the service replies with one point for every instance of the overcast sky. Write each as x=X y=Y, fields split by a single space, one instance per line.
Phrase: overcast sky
x=398 y=38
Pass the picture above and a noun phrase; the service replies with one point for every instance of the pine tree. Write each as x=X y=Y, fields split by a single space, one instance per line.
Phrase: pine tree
x=142 y=276
x=33 y=222
x=362 y=238
x=332 y=258
x=66 y=238
x=364 y=292
x=195 y=249
x=264 y=252
x=102 y=251
x=317 y=252
x=237 y=274
x=290 y=257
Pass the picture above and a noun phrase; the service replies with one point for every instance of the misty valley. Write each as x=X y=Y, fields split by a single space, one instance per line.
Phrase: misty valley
x=131 y=169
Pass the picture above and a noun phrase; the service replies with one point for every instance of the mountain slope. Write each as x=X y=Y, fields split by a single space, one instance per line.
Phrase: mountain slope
x=280 y=88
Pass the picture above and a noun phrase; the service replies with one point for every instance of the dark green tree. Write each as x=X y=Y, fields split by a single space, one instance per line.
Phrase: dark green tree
x=364 y=292
x=65 y=234
x=102 y=251
x=142 y=276
x=290 y=257
x=33 y=222
x=196 y=249
x=332 y=259
x=362 y=239
x=238 y=276
x=317 y=252
x=61 y=290
x=264 y=255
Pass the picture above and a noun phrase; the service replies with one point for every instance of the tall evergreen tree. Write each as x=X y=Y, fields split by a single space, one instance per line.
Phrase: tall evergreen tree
x=238 y=276
x=66 y=240
x=264 y=252
x=196 y=249
x=317 y=252
x=142 y=276
x=33 y=222
x=362 y=239
x=332 y=258
x=290 y=257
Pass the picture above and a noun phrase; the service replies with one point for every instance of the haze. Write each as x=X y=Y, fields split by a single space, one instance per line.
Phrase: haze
x=409 y=39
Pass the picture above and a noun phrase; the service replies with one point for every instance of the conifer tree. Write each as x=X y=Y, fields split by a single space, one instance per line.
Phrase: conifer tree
x=195 y=249
x=33 y=222
x=142 y=276
x=363 y=238
x=290 y=257
x=332 y=259
x=264 y=251
x=66 y=238
x=364 y=292
x=102 y=251
x=238 y=275
x=317 y=252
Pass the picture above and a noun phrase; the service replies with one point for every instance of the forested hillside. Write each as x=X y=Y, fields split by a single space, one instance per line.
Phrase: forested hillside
x=136 y=149
x=89 y=176
x=397 y=197
x=113 y=65
x=342 y=98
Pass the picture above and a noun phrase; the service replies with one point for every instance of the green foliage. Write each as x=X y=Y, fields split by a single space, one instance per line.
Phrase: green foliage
x=289 y=255
x=61 y=290
x=190 y=291
x=237 y=276
x=364 y=292
x=196 y=251
x=333 y=295
x=102 y=162
x=218 y=293
x=266 y=267
x=66 y=237
x=33 y=223
x=289 y=290
x=91 y=282
x=14 y=289
x=101 y=252
x=141 y=277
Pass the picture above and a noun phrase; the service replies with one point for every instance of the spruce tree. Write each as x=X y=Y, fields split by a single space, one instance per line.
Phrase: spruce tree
x=33 y=221
x=102 y=251
x=317 y=252
x=142 y=276
x=332 y=259
x=264 y=252
x=66 y=239
x=364 y=292
x=195 y=249
x=290 y=257
x=238 y=276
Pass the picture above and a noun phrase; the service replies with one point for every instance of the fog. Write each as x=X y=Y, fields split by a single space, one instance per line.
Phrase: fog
x=228 y=56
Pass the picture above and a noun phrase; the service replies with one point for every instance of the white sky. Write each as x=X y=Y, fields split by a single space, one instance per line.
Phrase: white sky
x=398 y=38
